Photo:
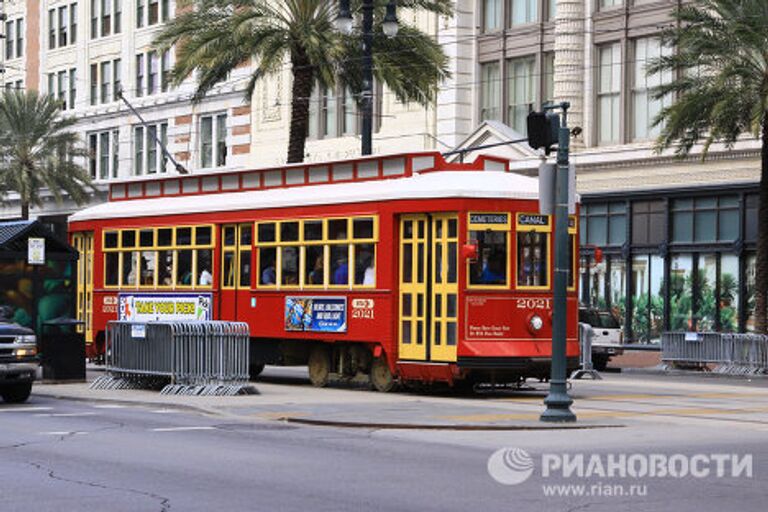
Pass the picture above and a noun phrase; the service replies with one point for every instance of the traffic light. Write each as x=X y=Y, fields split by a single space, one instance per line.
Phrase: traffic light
x=543 y=128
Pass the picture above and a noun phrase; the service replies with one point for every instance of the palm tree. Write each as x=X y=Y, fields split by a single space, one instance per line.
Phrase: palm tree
x=214 y=37
x=721 y=92
x=37 y=150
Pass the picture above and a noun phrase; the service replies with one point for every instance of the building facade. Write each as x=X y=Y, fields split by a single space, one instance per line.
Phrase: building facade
x=678 y=235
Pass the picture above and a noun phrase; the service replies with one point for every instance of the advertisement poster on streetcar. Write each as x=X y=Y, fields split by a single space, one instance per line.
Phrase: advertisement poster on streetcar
x=148 y=307
x=316 y=314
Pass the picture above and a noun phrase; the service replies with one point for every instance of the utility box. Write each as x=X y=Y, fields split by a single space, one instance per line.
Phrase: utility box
x=62 y=350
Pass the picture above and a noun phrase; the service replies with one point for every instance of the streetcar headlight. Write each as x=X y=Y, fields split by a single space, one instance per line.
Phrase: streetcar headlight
x=536 y=322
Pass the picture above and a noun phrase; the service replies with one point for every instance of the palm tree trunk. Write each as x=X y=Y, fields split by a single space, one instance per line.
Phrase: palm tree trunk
x=303 y=78
x=24 y=210
x=761 y=273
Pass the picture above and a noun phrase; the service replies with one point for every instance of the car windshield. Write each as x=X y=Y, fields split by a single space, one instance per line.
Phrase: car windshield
x=607 y=320
x=603 y=319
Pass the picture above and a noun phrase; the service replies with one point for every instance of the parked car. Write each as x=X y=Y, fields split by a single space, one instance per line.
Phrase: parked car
x=608 y=336
x=18 y=361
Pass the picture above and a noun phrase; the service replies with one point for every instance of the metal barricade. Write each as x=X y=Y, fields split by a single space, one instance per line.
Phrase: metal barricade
x=199 y=358
x=736 y=354
x=586 y=333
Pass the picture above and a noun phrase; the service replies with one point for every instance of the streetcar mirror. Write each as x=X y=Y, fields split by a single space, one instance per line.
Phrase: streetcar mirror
x=469 y=251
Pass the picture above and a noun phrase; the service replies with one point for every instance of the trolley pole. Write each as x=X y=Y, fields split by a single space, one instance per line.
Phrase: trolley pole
x=557 y=401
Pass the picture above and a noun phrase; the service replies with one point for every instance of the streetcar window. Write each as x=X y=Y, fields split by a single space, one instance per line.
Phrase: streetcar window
x=147 y=238
x=111 y=268
x=129 y=268
x=245 y=268
x=267 y=259
x=246 y=235
x=490 y=268
x=289 y=231
x=314 y=265
x=147 y=268
x=204 y=267
x=203 y=235
x=128 y=238
x=363 y=228
x=229 y=235
x=340 y=264
x=318 y=252
x=110 y=240
x=165 y=237
x=267 y=232
x=147 y=258
x=165 y=267
x=184 y=268
x=183 y=236
x=229 y=270
x=365 y=264
x=313 y=230
x=290 y=266
x=532 y=258
x=337 y=229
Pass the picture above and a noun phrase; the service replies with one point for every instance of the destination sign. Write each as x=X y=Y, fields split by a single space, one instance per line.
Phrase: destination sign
x=530 y=219
x=488 y=218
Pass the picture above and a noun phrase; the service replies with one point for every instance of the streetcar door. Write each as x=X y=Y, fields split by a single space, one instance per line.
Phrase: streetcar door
x=83 y=242
x=428 y=287
x=236 y=240
x=444 y=283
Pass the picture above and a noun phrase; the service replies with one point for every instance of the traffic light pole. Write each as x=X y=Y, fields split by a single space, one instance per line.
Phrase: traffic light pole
x=557 y=401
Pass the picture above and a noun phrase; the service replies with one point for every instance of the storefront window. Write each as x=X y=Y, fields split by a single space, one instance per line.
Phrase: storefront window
x=648 y=303
x=705 y=219
x=750 y=268
x=706 y=306
x=681 y=292
x=729 y=293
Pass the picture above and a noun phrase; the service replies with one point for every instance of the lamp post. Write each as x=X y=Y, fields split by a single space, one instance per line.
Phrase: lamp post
x=557 y=401
x=389 y=26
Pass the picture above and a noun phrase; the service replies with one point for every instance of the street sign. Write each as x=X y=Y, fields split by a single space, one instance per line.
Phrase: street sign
x=36 y=251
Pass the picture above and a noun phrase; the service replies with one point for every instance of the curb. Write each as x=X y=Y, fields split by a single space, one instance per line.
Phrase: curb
x=432 y=426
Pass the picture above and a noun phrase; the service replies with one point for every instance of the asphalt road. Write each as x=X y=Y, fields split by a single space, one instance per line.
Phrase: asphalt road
x=60 y=455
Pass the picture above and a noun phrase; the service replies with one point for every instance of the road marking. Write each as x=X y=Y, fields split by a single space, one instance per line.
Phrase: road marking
x=66 y=414
x=26 y=409
x=164 y=411
x=62 y=433
x=181 y=429
x=111 y=406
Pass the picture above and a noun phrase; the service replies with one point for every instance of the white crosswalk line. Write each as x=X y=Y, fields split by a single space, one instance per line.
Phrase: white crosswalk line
x=25 y=409
x=66 y=414
x=181 y=429
x=62 y=433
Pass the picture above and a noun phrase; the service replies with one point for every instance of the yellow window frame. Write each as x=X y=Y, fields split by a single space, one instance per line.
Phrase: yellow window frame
x=326 y=242
x=524 y=225
x=156 y=248
x=484 y=226
x=573 y=224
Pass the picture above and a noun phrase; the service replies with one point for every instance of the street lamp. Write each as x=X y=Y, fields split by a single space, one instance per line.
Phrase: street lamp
x=389 y=26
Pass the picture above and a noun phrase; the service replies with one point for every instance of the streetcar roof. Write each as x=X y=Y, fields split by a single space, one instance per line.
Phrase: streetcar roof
x=432 y=185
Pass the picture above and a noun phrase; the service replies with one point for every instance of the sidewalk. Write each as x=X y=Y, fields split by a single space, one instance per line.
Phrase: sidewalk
x=616 y=401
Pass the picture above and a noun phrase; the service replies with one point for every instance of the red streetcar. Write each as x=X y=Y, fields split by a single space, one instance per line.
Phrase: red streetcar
x=402 y=267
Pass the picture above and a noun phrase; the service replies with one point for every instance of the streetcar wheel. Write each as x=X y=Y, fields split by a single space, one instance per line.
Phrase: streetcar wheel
x=319 y=366
x=16 y=393
x=381 y=378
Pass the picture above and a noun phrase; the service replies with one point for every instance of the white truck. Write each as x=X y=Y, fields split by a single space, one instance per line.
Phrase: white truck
x=607 y=337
